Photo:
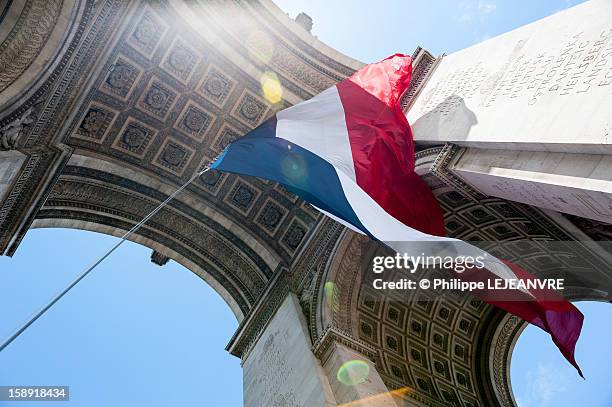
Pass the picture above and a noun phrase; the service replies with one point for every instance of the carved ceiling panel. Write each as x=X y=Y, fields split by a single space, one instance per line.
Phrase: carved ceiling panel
x=441 y=347
x=148 y=93
x=168 y=102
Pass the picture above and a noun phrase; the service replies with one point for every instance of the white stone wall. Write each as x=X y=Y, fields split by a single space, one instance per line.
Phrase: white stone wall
x=580 y=184
x=370 y=392
x=281 y=370
x=545 y=86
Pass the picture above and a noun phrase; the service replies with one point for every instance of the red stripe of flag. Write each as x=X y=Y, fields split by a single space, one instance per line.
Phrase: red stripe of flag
x=382 y=145
x=383 y=153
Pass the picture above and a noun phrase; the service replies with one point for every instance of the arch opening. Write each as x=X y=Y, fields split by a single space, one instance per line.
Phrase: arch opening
x=141 y=240
x=126 y=320
x=541 y=377
x=103 y=196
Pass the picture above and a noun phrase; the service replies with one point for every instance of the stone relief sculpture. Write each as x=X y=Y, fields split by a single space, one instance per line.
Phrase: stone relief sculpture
x=10 y=133
x=164 y=102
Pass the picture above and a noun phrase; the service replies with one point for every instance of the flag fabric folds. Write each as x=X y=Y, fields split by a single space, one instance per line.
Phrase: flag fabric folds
x=349 y=152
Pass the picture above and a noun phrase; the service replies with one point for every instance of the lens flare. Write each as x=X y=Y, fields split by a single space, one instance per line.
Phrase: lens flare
x=294 y=168
x=271 y=87
x=353 y=372
x=329 y=288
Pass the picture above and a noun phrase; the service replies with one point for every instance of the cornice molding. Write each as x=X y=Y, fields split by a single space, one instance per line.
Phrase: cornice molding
x=251 y=328
x=441 y=169
x=423 y=66
x=324 y=347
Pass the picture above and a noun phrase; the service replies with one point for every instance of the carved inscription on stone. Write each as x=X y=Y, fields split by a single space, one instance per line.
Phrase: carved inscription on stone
x=585 y=203
x=549 y=82
x=274 y=369
x=583 y=63
x=280 y=370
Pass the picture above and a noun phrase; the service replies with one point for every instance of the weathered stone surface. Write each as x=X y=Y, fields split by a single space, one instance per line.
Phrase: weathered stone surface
x=545 y=86
x=281 y=370
x=578 y=184
x=10 y=165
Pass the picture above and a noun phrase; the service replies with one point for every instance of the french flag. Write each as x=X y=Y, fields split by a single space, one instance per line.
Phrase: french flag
x=349 y=152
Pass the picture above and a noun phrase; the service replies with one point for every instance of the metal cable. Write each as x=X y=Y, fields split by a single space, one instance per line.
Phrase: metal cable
x=127 y=234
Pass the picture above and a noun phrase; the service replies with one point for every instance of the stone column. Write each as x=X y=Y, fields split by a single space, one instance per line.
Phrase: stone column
x=279 y=367
x=351 y=373
x=281 y=370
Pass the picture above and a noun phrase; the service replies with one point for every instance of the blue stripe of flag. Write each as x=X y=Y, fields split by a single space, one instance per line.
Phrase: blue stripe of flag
x=261 y=154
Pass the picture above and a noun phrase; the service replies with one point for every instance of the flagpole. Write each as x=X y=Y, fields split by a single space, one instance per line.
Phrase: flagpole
x=127 y=234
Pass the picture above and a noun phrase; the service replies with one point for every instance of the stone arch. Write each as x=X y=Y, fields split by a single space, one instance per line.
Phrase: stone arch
x=101 y=196
x=135 y=99
x=34 y=38
x=429 y=347
x=451 y=351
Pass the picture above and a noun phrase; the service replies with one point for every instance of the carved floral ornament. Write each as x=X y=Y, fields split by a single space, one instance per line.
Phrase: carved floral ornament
x=94 y=120
x=121 y=76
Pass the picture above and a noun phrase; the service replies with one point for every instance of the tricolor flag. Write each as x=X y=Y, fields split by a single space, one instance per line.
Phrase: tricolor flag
x=349 y=152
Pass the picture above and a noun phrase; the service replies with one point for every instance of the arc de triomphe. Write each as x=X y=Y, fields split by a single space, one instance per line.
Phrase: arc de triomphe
x=107 y=106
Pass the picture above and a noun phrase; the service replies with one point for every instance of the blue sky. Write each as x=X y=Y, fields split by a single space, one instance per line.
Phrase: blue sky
x=135 y=334
x=542 y=378
x=130 y=334
x=371 y=30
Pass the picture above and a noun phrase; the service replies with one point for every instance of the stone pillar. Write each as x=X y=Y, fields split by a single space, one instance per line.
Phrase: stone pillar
x=530 y=108
x=279 y=367
x=579 y=184
x=351 y=373
x=281 y=370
